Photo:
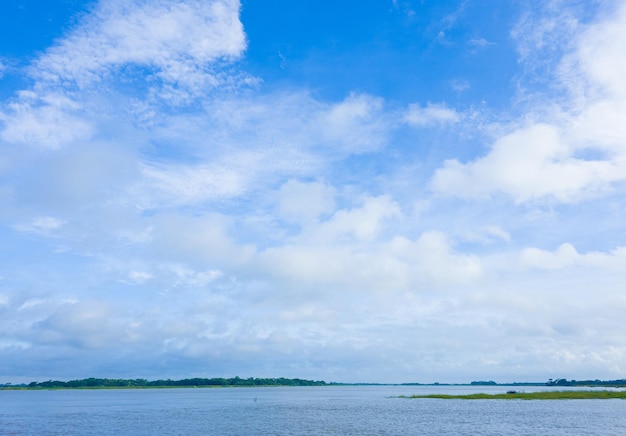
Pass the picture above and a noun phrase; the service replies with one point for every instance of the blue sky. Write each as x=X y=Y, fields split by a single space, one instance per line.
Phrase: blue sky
x=382 y=191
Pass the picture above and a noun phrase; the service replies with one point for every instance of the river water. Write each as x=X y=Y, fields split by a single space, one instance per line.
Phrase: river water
x=329 y=410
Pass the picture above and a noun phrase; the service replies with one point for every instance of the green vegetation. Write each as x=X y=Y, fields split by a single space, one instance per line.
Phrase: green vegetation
x=549 y=395
x=99 y=383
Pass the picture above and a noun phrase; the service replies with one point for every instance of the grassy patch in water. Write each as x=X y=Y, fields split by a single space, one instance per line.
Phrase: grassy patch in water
x=546 y=395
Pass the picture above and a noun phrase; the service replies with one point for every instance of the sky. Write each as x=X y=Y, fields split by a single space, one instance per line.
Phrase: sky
x=360 y=191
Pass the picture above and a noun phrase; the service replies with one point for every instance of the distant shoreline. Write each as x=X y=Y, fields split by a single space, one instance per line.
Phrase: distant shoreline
x=106 y=383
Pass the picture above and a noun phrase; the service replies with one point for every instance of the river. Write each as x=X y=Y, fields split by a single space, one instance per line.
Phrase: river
x=329 y=410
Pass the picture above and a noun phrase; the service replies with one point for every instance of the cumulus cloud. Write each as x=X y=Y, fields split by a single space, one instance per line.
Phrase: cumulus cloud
x=432 y=258
x=598 y=57
x=567 y=257
x=356 y=250
x=528 y=164
x=570 y=156
x=362 y=223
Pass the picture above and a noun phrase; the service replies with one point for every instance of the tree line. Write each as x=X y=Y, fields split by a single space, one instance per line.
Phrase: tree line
x=565 y=382
x=188 y=382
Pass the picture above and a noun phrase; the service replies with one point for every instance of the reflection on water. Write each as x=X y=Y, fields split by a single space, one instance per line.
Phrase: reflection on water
x=331 y=410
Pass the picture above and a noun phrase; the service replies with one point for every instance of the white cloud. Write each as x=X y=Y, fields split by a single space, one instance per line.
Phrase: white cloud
x=404 y=7
x=480 y=42
x=178 y=39
x=567 y=257
x=546 y=29
x=140 y=236
x=138 y=277
x=30 y=303
x=599 y=54
x=89 y=324
x=188 y=277
x=184 y=46
x=203 y=240
x=249 y=144
x=364 y=223
x=370 y=267
x=43 y=226
x=460 y=85
x=355 y=125
x=564 y=256
x=431 y=259
x=528 y=164
x=181 y=185
x=489 y=234
x=550 y=159
x=432 y=114
x=305 y=201
x=47 y=121
x=234 y=174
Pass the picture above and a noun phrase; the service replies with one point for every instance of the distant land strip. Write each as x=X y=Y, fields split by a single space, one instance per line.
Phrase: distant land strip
x=98 y=383
x=549 y=395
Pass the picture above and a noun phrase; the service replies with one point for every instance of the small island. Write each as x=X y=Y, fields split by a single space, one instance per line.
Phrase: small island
x=544 y=395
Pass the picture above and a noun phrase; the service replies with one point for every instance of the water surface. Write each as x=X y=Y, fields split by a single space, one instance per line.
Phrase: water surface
x=329 y=410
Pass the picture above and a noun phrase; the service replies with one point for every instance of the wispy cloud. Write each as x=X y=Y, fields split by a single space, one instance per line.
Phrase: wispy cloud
x=43 y=226
x=178 y=41
x=46 y=120
x=432 y=114
x=480 y=42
